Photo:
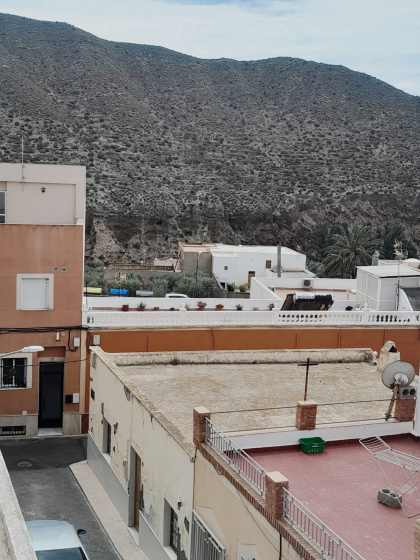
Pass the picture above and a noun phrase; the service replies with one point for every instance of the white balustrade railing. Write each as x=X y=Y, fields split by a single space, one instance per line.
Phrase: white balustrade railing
x=185 y=318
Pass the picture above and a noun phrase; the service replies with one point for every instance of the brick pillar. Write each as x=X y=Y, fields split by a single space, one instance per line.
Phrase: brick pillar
x=405 y=410
x=274 y=484
x=417 y=539
x=306 y=415
x=199 y=419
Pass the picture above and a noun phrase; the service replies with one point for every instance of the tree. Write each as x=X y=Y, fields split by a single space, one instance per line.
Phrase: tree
x=394 y=230
x=352 y=246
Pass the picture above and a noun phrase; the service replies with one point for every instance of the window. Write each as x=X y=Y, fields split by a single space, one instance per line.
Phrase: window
x=13 y=431
x=34 y=291
x=204 y=545
x=13 y=372
x=173 y=535
x=267 y=264
x=107 y=438
x=2 y=207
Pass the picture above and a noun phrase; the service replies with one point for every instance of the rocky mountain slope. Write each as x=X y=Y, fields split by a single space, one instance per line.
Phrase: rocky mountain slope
x=179 y=148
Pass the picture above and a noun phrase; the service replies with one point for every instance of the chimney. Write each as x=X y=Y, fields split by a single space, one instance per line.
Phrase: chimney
x=279 y=260
x=375 y=258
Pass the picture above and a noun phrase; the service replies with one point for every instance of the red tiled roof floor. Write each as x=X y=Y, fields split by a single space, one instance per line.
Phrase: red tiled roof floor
x=340 y=486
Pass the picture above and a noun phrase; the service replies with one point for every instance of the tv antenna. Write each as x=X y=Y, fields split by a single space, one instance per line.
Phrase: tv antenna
x=395 y=375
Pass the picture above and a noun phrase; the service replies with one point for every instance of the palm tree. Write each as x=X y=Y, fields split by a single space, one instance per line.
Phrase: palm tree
x=352 y=246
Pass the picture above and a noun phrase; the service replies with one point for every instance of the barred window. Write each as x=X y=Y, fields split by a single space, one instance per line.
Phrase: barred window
x=173 y=537
x=13 y=372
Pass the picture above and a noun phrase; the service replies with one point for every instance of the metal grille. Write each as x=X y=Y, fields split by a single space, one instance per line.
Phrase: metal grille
x=239 y=460
x=315 y=532
x=13 y=372
x=204 y=545
x=173 y=538
x=13 y=431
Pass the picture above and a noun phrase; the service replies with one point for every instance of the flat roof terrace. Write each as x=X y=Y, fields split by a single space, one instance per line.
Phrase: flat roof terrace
x=340 y=486
x=261 y=383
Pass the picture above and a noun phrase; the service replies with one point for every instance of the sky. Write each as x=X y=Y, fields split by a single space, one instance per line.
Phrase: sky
x=378 y=37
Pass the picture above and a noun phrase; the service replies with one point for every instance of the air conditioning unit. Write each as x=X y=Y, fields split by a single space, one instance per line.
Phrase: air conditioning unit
x=408 y=392
x=307 y=283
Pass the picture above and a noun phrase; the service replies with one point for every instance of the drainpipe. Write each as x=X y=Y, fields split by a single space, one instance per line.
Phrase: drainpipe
x=279 y=261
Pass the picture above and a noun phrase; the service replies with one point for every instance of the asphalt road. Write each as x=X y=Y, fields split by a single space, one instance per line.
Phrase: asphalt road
x=47 y=489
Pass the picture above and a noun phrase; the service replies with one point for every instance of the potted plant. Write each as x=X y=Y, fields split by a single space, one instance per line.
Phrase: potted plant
x=239 y=307
x=255 y=308
x=243 y=288
x=201 y=305
x=219 y=306
x=156 y=308
x=125 y=307
x=187 y=306
x=271 y=306
x=141 y=306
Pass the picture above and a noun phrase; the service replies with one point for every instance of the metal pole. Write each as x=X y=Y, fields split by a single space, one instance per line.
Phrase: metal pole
x=306 y=379
x=196 y=274
x=279 y=261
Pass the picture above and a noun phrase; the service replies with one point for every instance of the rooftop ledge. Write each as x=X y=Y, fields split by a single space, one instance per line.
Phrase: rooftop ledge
x=334 y=432
x=277 y=318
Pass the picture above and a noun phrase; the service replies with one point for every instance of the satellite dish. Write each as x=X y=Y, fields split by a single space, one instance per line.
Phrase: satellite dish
x=398 y=373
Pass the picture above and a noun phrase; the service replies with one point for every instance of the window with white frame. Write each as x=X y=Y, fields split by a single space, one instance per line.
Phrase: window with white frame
x=35 y=291
x=2 y=207
x=13 y=373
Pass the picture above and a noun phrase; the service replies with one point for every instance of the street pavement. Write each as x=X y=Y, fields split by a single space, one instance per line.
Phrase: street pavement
x=47 y=489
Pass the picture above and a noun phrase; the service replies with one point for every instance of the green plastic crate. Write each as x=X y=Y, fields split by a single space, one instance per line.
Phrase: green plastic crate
x=312 y=445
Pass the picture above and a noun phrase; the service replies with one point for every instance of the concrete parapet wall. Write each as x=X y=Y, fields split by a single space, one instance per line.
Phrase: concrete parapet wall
x=344 y=355
x=15 y=541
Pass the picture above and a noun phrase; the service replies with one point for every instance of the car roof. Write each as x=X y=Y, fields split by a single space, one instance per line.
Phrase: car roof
x=52 y=535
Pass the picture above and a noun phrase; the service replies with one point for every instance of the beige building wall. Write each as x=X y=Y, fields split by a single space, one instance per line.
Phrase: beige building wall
x=240 y=528
x=167 y=470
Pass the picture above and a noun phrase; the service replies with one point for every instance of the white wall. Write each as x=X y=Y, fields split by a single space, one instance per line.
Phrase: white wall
x=260 y=286
x=404 y=303
x=15 y=541
x=176 y=303
x=230 y=275
x=167 y=471
x=248 y=260
x=61 y=203
x=380 y=293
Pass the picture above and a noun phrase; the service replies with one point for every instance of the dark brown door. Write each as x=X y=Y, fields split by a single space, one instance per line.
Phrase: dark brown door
x=251 y=274
x=51 y=378
x=137 y=491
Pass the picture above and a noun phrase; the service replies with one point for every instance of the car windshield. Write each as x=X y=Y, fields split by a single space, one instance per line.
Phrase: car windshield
x=61 y=554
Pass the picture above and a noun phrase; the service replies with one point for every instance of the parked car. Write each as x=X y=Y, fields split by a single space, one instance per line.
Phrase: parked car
x=56 y=540
x=176 y=296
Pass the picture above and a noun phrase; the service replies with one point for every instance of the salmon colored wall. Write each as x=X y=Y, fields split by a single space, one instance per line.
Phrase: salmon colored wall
x=26 y=249
x=13 y=401
x=406 y=339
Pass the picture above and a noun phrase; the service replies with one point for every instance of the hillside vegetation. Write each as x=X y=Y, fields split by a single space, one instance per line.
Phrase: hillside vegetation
x=179 y=148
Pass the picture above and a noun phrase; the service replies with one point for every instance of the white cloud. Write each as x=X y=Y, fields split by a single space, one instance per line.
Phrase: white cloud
x=378 y=37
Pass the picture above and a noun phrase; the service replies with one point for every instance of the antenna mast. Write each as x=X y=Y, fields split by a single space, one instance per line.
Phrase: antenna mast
x=23 y=166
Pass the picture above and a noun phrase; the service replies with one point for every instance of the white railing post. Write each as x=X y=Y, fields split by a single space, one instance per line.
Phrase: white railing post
x=366 y=314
